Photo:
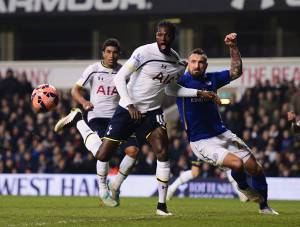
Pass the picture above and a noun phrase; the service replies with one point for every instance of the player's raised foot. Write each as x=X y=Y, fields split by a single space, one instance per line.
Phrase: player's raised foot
x=115 y=194
x=252 y=195
x=170 y=192
x=107 y=200
x=74 y=116
x=162 y=210
x=268 y=210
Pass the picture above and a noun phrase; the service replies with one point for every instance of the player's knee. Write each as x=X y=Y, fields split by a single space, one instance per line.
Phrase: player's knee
x=102 y=156
x=132 y=152
x=106 y=150
x=255 y=170
x=253 y=167
x=162 y=155
x=237 y=164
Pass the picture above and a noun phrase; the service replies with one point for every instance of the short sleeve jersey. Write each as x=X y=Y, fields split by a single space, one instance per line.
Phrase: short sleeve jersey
x=201 y=117
x=103 y=93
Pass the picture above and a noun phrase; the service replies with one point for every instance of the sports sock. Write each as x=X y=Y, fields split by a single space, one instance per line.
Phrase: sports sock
x=102 y=171
x=162 y=175
x=234 y=185
x=240 y=178
x=259 y=183
x=125 y=167
x=90 y=138
x=183 y=178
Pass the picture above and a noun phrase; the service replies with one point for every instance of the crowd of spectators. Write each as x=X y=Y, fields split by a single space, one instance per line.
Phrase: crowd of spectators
x=28 y=143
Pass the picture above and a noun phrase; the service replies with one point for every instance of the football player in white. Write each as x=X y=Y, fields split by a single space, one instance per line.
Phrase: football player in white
x=152 y=71
x=103 y=101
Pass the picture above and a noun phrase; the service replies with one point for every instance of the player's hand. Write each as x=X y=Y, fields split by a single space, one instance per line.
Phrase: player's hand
x=87 y=106
x=134 y=113
x=231 y=40
x=291 y=116
x=209 y=95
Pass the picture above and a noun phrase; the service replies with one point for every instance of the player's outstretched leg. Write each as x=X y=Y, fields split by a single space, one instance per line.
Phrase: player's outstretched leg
x=124 y=169
x=259 y=183
x=102 y=171
x=91 y=139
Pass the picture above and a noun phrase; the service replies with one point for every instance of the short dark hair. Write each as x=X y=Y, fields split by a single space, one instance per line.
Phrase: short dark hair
x=198 y=51
x=111 y=42
x=169 y=25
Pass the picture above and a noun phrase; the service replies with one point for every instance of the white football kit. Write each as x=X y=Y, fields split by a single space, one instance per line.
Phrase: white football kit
x=103 y=94
x=152 y=74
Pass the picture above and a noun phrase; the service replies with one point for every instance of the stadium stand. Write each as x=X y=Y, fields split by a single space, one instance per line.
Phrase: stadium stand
x=28 y=143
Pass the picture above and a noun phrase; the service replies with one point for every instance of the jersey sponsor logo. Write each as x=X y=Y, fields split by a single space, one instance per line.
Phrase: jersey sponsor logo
x=163 y=79
x=107 y=90
x=200 y=100
x=34 y=6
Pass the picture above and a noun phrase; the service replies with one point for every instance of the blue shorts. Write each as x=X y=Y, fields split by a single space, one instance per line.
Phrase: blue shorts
x=99 y=125
x=195 y=161
x=121 y=126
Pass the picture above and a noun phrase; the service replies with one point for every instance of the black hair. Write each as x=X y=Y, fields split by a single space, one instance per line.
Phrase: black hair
x=198 y=51
x=168 y=25
x=111 y=42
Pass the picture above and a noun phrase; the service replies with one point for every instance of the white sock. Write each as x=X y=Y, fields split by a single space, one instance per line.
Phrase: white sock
x=162 y=175
x=125 y=167
x=90 y=138
x=102 y=171
x=183 y=178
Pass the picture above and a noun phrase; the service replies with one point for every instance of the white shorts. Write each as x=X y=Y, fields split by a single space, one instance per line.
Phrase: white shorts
x=213 y=150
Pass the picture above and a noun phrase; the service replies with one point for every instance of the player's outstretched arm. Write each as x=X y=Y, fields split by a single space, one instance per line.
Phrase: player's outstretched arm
x=78 y=97
x=174 y=89
x=236 y=68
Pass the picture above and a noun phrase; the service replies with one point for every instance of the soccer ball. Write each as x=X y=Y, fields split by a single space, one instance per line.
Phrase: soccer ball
x=44 y=98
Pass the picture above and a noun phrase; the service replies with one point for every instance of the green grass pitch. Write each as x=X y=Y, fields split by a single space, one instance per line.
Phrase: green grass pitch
x=86 y=211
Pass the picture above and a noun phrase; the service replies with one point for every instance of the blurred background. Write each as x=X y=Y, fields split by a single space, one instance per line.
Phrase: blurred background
x=52 y=41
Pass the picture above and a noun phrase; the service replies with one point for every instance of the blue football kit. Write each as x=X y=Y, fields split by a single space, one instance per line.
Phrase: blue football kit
x=201 y=117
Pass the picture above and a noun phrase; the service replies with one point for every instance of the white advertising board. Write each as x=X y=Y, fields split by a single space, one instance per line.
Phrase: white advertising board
x=134 y=186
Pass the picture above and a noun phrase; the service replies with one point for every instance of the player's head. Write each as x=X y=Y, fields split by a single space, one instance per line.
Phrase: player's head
x=111 y=52
x=197 y=62
x=165 y=34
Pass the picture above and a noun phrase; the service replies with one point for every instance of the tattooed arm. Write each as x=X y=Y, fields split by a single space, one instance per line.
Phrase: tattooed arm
x=236 y=69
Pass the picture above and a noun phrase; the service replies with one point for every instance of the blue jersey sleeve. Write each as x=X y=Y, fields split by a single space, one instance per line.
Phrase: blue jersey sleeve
x=221 y=78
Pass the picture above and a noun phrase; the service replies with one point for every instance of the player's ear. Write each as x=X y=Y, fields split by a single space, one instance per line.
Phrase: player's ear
x=206 y=66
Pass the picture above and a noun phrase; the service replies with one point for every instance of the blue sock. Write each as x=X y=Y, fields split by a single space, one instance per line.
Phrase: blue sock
x=240 y=178
x=259 y=183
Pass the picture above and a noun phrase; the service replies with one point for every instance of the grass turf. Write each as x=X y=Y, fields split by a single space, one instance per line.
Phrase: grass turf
x=86 y=211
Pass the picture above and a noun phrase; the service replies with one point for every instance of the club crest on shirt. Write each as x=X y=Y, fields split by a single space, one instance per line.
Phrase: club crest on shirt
x=163 y=66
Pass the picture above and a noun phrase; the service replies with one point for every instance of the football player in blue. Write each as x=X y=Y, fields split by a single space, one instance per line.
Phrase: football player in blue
x=210 y=140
